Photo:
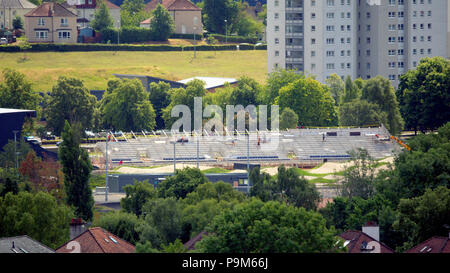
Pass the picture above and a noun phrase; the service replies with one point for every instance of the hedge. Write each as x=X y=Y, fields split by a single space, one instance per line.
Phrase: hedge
x=187 y=36
x=115 y=47
x=235 y=39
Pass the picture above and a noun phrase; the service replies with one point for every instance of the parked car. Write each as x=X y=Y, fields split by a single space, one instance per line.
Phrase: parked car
x=3 y=41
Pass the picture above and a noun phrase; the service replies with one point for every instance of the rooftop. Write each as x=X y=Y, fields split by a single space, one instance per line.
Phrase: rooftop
x=433 y=245
x=98 y=240
x=22 y=244
x=359 y=242
x=50 y=9
x=185 y=5
x=17 y=4
x=211 y=82
x=10 y=111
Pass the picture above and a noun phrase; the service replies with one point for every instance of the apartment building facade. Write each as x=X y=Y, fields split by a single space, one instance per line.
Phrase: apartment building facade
x=356 y=38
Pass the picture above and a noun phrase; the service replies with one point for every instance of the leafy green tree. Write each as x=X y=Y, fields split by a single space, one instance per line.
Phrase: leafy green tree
x=311 y=101
x=246 y=92
x=70 y=101
x=146 y=248
x=351 y=91
x=36 y=215
x=159 y=97
x=337 y=87
x=136 y=197
x=121 y=224
x=424 y=94
x=183 y=182
x=127 y=107
x=16 y=92
x=17 y=22
x=261 y=185
x=361 y=113
x=219 y=191
x=102 y=17
x=163 y=222
x=247 y=26
x=161 y=24
x=8 y=156
x=175 y=247
x=272 y=227
x=359 y=179
x=277 y=80
x=379 y=90
x=183 y=96
x=77 y=169
x=216 y=12
x=288 y=119
x=132 y=6
x=423 y=217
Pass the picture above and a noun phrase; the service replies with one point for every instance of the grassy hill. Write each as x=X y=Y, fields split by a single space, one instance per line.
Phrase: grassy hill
x=96 y=68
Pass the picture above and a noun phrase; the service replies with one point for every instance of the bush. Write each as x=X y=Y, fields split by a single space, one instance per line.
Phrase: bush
x=235 y=39
x=198 y=37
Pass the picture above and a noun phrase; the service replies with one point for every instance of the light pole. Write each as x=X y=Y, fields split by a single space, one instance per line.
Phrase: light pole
x=226 y=31
x=195 y=43
x=174 y=156
x=118 y=32
x=106 y=163
x=197 y=153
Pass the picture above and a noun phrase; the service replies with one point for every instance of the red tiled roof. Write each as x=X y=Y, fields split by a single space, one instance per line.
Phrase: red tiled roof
x=98 y=240
x=172 y=5
x=433 y=245
x=50 y=9
x=355 y=241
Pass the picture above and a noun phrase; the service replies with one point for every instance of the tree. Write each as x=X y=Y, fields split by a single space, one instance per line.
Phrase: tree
x=216 y=12
x=161 y=23
x=288 y=119
x=247 y=26
x=16 y=92
x=159 y=98
x=17 y=22
x=102 y=17
x=272 y=227
x=183 y=182
x=8 y=156
x=246 y=92
x=44 y=175
x=127 y=107
x=36 y=215
x=361 y=113
x=359 y=179
x=70 y=101
x=122 y=224
x=219 y=191
x=136 y=197
x=423 y=217
x=313 y=104
x=163 y=223
x=352 y=91
x=337 y=87
x=77 y=169
x=424 y=94
x=277 y=80
x=183 y=96
x=379 y=90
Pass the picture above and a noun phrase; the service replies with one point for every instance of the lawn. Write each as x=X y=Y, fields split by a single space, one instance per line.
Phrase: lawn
x=96 y=68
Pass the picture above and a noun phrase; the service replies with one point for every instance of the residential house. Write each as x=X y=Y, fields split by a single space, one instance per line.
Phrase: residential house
x=96 y=240
x=85 y=11
x=22 y=244
x=186 y=15
x=435 y=244
x=190 y=245
x=51 y=23
x=9 y=9
x=365 y=241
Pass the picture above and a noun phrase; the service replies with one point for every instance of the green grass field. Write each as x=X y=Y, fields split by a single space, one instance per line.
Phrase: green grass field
x=96 y=68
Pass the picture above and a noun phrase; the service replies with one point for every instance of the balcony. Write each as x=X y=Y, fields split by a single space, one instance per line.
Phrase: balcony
x=294 y=34
x=294 y=60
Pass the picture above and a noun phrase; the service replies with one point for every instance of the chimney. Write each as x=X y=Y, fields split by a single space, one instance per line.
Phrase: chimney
x=372 y=229
x=77 y=226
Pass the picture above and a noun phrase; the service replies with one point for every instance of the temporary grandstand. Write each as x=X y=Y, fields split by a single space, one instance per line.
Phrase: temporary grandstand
x=299 y=145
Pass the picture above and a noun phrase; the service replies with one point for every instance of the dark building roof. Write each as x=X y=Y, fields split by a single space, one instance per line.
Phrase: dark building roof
x=98 y=240
x=12 y=120
x=50 y=9
x=22 y=244
x=356 y=242
x=172 y=5
x=435 y=244
x=190 y=245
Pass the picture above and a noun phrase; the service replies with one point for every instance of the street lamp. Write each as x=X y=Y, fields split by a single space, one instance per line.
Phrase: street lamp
x=15 y=149
x=118 y=32
x=226 y=31
x=195 y=43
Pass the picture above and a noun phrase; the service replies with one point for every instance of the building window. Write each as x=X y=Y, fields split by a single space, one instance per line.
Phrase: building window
x=64 y=34
x=41 y=22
